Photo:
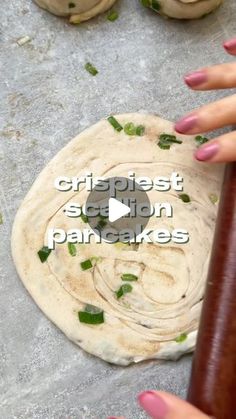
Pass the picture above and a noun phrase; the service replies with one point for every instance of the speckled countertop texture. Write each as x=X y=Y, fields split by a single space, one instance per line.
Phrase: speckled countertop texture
x=46 y=99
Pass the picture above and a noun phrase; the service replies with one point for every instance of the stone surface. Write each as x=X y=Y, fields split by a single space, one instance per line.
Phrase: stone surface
x=46 y=99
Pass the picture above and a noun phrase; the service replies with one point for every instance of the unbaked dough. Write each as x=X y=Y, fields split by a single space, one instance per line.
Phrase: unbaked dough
x=78 y=11
x=183 y=9
x=166 y=300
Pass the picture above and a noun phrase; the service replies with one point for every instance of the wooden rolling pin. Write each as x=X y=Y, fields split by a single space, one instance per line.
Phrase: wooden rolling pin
x=213 y=380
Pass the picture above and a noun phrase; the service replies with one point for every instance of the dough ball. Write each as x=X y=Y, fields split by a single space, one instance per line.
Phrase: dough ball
x=183 y=9
x=77 y=10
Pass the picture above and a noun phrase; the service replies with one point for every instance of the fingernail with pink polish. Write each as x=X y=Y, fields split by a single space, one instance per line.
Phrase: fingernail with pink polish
x=195 y=79
x=112 y=417
x=153 y=404
x=207 y=152
x=186 y=124
x=230 y=45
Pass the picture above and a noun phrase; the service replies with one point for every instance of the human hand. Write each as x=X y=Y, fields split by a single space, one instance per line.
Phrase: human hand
x=159 y=405
x=214 y=115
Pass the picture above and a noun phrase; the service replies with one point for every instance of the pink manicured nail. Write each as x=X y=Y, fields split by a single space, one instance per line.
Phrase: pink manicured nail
x=230 y=45
x=112 y=417
x=206 y=152
x=153 y=404
x=196 y=78
x=184 y=125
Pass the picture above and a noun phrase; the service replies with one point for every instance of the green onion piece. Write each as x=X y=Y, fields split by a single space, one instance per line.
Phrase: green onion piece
x=44 y=253
x=112 y=16
x=84 y=218
x=1 y=219
x=91 y=315
x=185 y=198
x=168 y=138
x=71 y=5
x=163 y=146
x=87 y=264
x=153 y=4
x=130 y=129
x=140 y=129
x=103 y=217
x=165 y=141
x=101 y=224
x=124 y=289
x=113 y=121
x=201 y=140
x=146 y=3
x=91 y=69
x=181 y=338
x=129 y=277
x=72 y=249
x=213 y=198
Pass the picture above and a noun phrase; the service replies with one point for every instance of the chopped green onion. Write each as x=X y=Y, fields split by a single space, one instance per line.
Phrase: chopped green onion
x=201 y=140
x=87 y=264
x=165 y=141
x=116 y=125
x=181 y=338
x=140 y=130
x=213 y=198
x=71 y=5
x=84 y=218
x=101 y=224
x=185 y=198
x=44 y=253
x=169 y=138
x=1 y=219
x=153 y=4
x=163 y=146
x=72 y=249
x=130 y=129
x=129 y=277
x=103 y=217
x=91 y=69
x=91 y=315
x=112 y=16
x=124 y=289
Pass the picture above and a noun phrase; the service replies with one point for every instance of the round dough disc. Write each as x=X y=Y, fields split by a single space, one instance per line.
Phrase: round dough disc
x=166 y=299
x=78 y=11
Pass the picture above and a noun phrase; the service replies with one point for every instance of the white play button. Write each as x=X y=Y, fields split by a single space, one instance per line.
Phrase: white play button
x=117 y=210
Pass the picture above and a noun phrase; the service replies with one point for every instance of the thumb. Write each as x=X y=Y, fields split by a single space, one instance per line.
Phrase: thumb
x=161 y=405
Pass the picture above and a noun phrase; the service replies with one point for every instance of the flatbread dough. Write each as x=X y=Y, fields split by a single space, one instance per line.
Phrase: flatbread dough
x=166 y=300
x=78 y=11
x=184 y=9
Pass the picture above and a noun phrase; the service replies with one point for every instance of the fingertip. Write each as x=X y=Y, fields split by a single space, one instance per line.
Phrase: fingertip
x=207 y=152
x=186 y=124
x=196 y=79
x=230 y=46
x=153 y=404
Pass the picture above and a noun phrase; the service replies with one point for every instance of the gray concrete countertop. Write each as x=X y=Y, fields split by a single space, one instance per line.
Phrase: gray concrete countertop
x=46 y=99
